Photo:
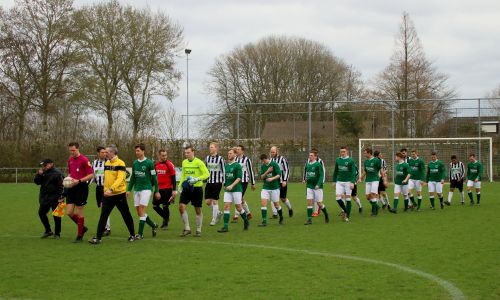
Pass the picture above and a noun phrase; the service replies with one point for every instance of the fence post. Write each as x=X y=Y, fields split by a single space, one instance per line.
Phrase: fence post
x=16 y=175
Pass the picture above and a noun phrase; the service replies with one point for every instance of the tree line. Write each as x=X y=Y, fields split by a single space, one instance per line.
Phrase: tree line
x=67 y=73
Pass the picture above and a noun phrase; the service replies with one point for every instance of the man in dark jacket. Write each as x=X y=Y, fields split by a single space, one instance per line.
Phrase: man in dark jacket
x=50 y=181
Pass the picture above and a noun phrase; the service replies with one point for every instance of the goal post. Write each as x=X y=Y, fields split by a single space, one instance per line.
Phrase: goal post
x=445 y=147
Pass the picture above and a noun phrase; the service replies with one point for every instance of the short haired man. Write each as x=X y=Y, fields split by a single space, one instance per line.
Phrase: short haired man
x=474 y=173
x=285 y=173
x=402 y=175
x=417 y=171
x=248 y=177
x=316 y=208
x=194 y=172
x=382 y=185
x=165 y=172
x=232 y=190
x=314 y=186
x=51 y=188
x=115 y=188
x=456 y=173
x=215 y=165
x=435 y=179
x=344 y=177
x=80 y=170
x=98 y=166
x=143 y=180
x=371 y=173
x=270 y=172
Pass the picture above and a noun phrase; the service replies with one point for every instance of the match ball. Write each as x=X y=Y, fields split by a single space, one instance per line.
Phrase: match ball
x=68 y=182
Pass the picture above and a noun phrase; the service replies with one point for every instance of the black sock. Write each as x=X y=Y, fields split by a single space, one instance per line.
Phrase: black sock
x=160 y=211
x=341 y=204
x=478 y=198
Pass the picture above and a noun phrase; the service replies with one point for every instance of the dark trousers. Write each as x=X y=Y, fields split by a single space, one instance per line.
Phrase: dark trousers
x=42 y=213
x=108 y=203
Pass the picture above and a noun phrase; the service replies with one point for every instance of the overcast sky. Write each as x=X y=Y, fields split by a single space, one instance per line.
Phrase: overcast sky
x=461 y=37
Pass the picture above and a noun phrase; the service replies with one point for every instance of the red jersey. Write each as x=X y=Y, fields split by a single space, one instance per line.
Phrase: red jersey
x=165 y=172
x=79 y=167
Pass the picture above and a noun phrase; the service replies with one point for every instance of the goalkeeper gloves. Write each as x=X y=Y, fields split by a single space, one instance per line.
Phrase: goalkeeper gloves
x=193 y=180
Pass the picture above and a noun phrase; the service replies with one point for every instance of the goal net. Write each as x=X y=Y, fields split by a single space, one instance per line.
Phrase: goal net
x=444 y=147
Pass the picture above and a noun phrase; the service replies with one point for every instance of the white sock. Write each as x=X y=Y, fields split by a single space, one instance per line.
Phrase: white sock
x=215 y=211
x=185 y=220
x=288 y=204
x=358 y=202
x=199 y=221
x=245 y=207
x=275 y=211
x=387 y=200
x=236 y=213
x=462 y=196
x=108 y=224
x=450 y=195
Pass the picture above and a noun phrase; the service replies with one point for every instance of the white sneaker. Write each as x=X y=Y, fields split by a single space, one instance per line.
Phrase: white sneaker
x=213 y=222
x=219 y=216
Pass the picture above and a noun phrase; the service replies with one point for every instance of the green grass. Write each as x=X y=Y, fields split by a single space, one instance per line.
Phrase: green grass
x=460 y=244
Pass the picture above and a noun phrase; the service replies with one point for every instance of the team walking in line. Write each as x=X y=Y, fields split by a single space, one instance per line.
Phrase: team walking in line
x=232 y=175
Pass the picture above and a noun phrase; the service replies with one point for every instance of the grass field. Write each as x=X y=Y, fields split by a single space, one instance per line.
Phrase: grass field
x=441 y=254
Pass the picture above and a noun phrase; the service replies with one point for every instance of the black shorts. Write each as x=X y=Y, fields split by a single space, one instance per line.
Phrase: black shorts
x=195 y=196
x=78 y=194
x=283 y=191
x=212 y=190
x=354 y=191
x=457 y=184
x=165 y=196
x=99 y=194
x=381 y=186
x=244 y=185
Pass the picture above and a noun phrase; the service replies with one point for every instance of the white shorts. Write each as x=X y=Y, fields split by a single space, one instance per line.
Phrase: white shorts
x=472 y=183
x=316 y=195
x=415 y=184
x=234 y=197
x=342 y=188
x=273 y=195
x=402 y=189
x=435 y=186
x=371 y=187
x=142 y=197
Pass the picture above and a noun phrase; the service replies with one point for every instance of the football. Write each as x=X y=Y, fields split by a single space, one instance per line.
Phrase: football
x=68 y=182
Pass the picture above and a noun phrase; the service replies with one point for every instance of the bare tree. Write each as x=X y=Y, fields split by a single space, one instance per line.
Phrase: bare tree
x=411 y=76
x=16 y=88
x=495 y=102
x=147 y=64
x=280 y=70
x=100 y=36
x=48 y=50
x=170 y=124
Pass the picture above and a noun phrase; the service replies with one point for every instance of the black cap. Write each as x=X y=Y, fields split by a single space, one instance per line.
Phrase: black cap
x=46 y=161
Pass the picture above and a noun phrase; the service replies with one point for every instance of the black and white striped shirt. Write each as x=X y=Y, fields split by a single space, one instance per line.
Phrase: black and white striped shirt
x=322 y=165
x=215 y=165
x=98 y=167
x=246 y=166
x=383 y=164
x=285 y=169
x=456 y=171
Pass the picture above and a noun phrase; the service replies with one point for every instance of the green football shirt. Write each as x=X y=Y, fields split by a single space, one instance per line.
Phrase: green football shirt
x=314 y=175
x=143 y=176
x=474 y=170
x=372 y=168
x=435 y=171
x=345 y=170
x=275 y=184
x=233 y=172
x=402 y=170
x=417 y=168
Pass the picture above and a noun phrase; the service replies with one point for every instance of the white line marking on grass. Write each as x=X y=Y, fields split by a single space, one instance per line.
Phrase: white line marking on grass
x=454 y=291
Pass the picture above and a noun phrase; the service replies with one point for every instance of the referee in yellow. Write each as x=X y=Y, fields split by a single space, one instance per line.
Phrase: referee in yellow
x=115 y=188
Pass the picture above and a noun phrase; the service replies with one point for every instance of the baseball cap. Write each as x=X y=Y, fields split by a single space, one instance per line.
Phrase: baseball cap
x=46 y=161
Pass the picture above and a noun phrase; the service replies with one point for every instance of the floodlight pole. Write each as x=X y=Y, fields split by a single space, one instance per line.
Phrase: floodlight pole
x=309 y=125
x=187 y=51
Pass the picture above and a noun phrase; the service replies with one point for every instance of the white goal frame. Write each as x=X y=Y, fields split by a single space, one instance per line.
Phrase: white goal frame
x=488 y=139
